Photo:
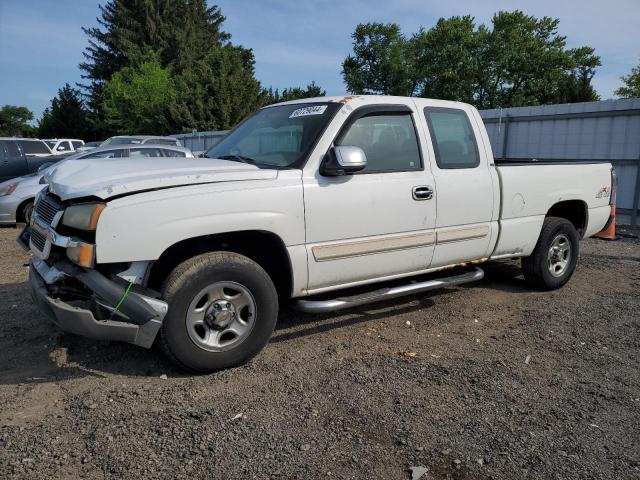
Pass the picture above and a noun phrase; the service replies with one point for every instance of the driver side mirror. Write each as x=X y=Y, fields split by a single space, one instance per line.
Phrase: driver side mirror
x=343 y=160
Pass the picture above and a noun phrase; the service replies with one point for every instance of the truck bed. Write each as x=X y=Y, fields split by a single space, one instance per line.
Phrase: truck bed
x=529 y=189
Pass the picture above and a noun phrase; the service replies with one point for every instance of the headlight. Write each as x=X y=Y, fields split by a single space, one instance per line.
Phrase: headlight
x=8 y=189
x=83 y=217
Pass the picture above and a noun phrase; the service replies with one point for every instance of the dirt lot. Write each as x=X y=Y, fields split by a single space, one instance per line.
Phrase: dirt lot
x=490 y=381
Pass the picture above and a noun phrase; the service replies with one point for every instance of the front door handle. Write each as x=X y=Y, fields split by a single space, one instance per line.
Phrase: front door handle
x=422 y=193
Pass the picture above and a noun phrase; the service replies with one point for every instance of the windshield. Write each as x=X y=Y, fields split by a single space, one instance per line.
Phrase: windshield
x=120 y=141
x=278 y=137
x=51 y=143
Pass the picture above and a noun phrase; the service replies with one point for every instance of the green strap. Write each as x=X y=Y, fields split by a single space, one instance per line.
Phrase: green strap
x=124 y=297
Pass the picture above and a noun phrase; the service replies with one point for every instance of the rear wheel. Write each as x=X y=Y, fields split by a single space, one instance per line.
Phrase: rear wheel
x=222 y=310
x=554 y=259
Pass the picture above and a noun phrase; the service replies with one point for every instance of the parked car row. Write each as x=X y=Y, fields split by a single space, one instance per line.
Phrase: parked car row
x=17 y=194
x=21 y=156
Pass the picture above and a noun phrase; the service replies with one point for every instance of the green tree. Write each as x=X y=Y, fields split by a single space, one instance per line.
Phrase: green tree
x=520 y=60
x=631 y=88
x=137 y=98
x=14 y=121
x=182 y=31
x=294 y=93
x=381 y=62
x=66 y=117
x=526 y=62
x=215 y=78
x=217 y=92
x=575 y=86
x=448 y=59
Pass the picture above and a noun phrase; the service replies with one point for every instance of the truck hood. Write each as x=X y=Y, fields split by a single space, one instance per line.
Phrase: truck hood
x=105 y=178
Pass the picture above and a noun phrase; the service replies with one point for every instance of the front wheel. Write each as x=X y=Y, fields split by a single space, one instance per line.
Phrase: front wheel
x=554 y=259
x=27 y=212
x=222 y=310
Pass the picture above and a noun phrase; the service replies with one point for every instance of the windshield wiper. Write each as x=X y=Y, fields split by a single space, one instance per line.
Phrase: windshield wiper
x=239 y=158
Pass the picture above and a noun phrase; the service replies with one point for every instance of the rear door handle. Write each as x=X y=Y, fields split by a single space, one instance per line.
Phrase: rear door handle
x=422 y=193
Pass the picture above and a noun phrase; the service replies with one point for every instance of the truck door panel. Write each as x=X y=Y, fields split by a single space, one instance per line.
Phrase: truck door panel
x=464 y=188
x=368 y=225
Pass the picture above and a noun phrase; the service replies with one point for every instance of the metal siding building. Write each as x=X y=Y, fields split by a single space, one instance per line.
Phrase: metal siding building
x=602 y=131
x=200 y=141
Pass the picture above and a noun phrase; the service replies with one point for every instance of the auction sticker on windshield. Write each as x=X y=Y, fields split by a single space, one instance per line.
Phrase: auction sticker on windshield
x=303 y=112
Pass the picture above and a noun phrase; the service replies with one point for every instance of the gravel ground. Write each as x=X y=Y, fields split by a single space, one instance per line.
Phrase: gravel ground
x=489 y=381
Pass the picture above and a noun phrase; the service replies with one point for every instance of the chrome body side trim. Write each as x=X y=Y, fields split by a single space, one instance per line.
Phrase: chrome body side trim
x=390 y=243
x=457 y=234
x=386 y=243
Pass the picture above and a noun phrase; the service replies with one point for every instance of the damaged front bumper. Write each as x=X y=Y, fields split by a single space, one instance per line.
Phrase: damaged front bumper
x=137 y=318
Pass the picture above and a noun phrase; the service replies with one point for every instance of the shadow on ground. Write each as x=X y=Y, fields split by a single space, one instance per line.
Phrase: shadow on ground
x=34 y=350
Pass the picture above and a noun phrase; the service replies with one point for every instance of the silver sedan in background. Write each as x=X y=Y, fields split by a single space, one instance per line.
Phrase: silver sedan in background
x=17 y=195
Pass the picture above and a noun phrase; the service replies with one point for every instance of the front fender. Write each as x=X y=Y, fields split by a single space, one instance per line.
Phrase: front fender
x=142 y=226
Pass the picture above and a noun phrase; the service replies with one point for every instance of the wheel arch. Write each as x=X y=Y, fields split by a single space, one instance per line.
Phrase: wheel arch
x=265 y=248
x=575 y=211
x=20 y=209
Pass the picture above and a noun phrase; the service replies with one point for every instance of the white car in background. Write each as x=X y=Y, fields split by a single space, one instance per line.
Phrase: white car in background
x=88 y=146
x=140 y=140
x=63 y=145
x=17 y=195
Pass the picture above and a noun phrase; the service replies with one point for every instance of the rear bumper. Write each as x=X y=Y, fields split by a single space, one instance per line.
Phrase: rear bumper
x=80 y=321
x=611 y=219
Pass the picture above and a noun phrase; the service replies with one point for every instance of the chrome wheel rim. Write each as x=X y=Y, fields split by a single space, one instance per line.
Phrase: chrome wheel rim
x=221 y=316
x=559 y=255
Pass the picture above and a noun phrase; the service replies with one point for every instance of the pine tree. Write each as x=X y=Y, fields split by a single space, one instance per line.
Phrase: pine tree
x=66 y=117
x=215 y=79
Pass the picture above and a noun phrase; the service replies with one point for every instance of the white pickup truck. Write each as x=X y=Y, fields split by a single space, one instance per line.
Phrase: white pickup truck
x=301 y=199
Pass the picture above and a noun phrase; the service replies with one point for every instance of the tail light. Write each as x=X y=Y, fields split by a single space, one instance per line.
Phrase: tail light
x=614 y=186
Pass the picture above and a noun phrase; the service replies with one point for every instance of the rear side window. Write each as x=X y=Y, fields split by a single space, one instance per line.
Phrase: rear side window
x=452 y=136
x=164 y=141
x=144 y=152
x=33 y=147
x=173 y=153
x=105 y=154
x=388 y=140
x=12 y=149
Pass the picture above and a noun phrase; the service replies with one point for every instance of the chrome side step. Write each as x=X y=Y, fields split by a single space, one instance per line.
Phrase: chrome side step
x=321 y=306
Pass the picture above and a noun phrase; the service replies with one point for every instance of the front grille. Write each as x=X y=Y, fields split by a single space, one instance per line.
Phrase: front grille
x=47 y=212
x=47 y=207
x=38 y=240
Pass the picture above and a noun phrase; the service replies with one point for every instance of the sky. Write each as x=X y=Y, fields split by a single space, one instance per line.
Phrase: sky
x=295 y=41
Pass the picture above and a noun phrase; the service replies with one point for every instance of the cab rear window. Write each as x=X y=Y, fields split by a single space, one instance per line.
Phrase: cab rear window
x=452 y=136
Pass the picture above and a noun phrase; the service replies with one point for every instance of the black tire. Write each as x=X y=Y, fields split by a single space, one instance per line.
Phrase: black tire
x=27 y=211
x=537 y=269
x=181 y=288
